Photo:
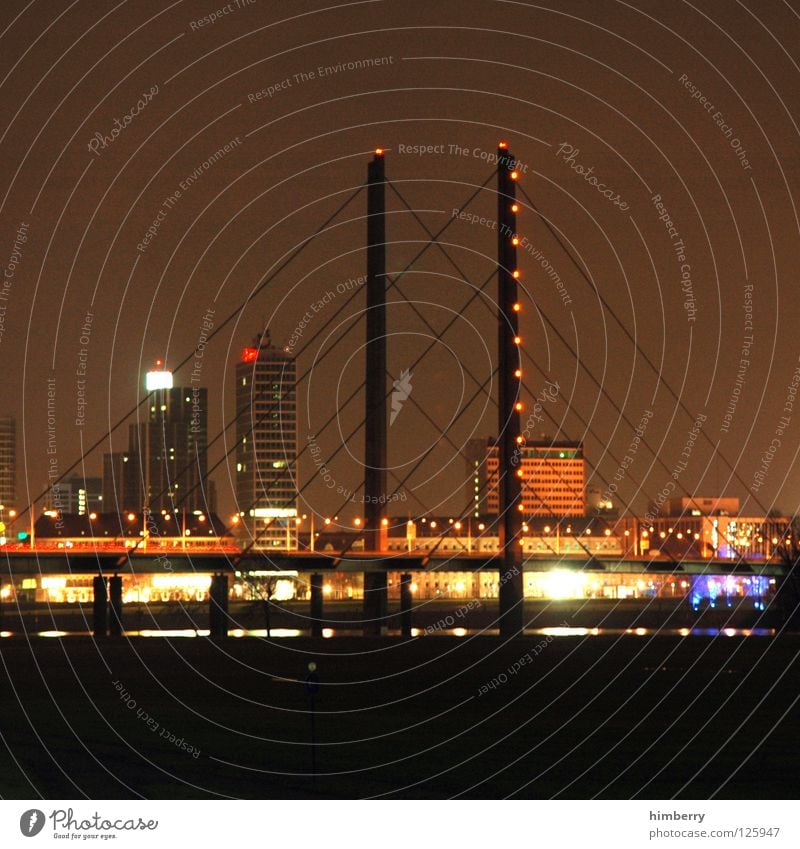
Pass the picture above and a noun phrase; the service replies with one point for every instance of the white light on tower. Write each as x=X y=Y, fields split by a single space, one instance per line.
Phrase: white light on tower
x=158 y=379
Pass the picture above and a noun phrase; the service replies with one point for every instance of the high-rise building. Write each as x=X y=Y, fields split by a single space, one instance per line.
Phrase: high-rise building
x=171 y=446
x=8 y=462
x=553 y=477
x=121 y=489
x=266 y=441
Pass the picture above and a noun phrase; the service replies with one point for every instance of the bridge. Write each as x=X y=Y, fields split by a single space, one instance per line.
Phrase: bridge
x=511 y=562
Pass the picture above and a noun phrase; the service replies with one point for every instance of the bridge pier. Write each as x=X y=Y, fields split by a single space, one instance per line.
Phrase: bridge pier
x=218 y=606
x=100 y=607
x=405 y=604
x=115 y=624
x=316 y=605
x=376 y=594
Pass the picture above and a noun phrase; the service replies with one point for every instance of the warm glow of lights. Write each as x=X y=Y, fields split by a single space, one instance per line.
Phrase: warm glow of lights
x=520 y=507
x=249 y=355
x=384 y=522
x=518 y=373
x=515 y=274
x=433 y=524
x=520 y=440
x=502 y=145
x=378 y=151
x=457 y=526
x=93 y=516
x=518 y=406
x=327 y=589
x=517 y=340
x=547 y=529
x=515 y=207
x=515 y=241
x=12 y=513
x=520 y=473
x=131 y=516
x=513 y=175
x=564 y=584
x=481 y=527
x=517 y=307
x=460 y=587
x=235 y=520
x=183 y=582
x=327 y=521
x=357 y=522
x=412 y=587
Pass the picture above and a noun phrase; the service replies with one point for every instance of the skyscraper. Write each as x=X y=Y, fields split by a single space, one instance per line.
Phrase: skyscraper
x=266 y=441
x=171 y=445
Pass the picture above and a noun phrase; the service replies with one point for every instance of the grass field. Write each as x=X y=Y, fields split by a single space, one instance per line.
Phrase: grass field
x=617 y=717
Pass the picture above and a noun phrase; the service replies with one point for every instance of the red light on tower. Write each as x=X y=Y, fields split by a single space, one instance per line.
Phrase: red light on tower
x=249 y=355
x=378 y=151
x=502 y=145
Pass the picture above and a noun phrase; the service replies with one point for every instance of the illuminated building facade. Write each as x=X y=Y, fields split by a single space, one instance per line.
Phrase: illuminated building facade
x=266 y=443
x=553 y=477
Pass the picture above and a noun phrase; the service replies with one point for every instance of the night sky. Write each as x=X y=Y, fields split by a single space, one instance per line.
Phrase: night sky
x=688 y=105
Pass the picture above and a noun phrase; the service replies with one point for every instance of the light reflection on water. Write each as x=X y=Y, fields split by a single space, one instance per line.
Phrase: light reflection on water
x=327 y=633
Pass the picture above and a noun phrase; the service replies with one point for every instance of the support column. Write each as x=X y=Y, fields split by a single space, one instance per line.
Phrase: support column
x=115 y=624
x=510 y=441
x=100 y=607
x=375 y=494
x=218 y=606
x=406 y=602
x=316 y=605
x=375 y=604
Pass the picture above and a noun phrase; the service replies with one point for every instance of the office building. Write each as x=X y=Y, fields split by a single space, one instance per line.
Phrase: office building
x=171 y=445
x=553 y=477
x=266 y=442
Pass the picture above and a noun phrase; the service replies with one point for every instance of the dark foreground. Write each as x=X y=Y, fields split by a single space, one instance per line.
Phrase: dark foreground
x=616 y=717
